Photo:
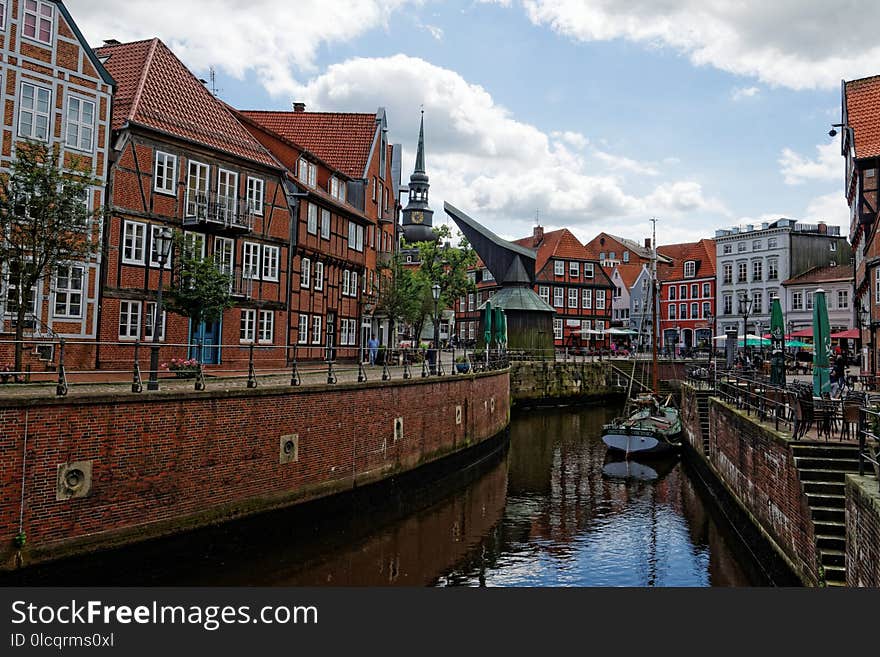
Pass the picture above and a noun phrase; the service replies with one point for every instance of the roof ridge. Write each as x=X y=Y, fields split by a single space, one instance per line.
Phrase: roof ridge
x=148 y=62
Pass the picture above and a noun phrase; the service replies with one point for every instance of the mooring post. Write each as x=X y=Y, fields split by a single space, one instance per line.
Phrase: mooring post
x=294 y=370
x=61 y=388
x=252 y=373
x=137 y=384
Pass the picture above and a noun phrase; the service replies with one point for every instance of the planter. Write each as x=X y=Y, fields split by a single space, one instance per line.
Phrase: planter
x=462 y=368
x=185 y=374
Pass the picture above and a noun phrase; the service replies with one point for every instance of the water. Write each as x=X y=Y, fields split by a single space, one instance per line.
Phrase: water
x=547 y=511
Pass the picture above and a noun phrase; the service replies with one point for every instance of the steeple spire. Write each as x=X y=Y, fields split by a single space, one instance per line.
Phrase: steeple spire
x=417 y=215
x=420 y=155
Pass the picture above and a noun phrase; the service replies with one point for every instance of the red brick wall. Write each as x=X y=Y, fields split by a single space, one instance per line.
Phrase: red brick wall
x=167 y=462
x=862 y=532
x=756 y=465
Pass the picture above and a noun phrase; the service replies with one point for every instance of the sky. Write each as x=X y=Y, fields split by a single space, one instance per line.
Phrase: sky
x=594 y=115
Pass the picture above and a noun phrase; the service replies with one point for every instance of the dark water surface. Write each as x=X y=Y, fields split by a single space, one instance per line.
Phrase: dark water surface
x=547 y=511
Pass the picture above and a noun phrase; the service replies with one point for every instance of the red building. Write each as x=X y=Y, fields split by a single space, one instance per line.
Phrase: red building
x=56 y=92
x=344 y=165
x=568 y=279
x=687 y=296
x=182 y=160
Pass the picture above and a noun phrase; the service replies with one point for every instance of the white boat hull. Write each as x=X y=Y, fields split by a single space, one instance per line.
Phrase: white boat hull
x=631 y=444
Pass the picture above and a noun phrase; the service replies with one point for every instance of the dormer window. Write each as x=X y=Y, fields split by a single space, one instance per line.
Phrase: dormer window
x=626 y=256
x=308 y=172
x=690 y=269
x=336 y=188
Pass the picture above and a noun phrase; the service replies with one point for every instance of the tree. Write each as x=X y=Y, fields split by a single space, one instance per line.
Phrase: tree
x=199 y=289
x=446 y=266
x=44 y=223
x=400 y=294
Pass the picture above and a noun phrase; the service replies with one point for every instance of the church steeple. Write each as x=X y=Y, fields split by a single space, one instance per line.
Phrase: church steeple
x=417 y=216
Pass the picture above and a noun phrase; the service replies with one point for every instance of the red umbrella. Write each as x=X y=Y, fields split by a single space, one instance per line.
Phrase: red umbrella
x=852 y=334
x=803 y=333
x=767 y=336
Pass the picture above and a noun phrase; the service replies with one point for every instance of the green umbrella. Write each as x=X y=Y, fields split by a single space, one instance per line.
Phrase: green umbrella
x=487 y=323
x=504 y=327
x=797 y=343
x=777 y=335
x=822 y=341
x=497 y=323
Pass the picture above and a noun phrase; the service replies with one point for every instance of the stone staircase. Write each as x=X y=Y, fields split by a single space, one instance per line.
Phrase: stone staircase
x=703 y=409
x=823 y=468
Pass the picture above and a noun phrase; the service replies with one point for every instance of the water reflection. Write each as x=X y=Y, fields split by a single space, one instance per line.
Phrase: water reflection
x=551 y=510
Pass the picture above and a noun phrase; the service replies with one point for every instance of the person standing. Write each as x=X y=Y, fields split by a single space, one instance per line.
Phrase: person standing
x=373 y=345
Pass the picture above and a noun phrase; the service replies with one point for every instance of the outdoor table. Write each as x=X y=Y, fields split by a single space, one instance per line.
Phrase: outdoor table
x=827 y=413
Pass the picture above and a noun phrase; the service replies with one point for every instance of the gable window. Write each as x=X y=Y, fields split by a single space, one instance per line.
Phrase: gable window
x=319 y=275
x=573 y=269
x=197 y=189
x=68 y=291
x=164 y=173
x=133 y=242
x=325 y=224
x=690 y=269
x=572 y=297
x=255 y=195
x=33 y=113
x=270 y=263
x=80 y=123
x=626 y=256
x=305 y=273
x=588 y=270
x=558 y=297
x=38 y=19
x=559 y=267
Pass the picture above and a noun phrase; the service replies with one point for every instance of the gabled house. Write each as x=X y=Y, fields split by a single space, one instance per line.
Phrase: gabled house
x=182 y=160
x=56 y=91
x=687 y=296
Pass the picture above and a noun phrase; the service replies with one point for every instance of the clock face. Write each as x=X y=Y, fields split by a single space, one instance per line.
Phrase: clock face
x=417 y=217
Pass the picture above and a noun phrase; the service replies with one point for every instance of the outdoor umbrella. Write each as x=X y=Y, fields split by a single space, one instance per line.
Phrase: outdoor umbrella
x=798 y=343
x=504 y=327
x=777 y=333
x=487 y=323
x=849 y=334
x=822 y=341
x=498 y=324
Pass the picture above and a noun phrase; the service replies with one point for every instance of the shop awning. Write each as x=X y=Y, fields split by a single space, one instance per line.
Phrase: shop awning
x=851 y=334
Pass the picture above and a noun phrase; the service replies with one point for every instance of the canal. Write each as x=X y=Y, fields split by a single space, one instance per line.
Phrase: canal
x=545 y=509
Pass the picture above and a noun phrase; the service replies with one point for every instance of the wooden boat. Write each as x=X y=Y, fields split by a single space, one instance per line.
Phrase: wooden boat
x=650 y=427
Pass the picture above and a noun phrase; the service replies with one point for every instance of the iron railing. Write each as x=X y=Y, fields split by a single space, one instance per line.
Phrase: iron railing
x=224 y=211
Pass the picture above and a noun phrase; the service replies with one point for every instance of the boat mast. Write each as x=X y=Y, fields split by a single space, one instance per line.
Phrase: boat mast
x=654 y=307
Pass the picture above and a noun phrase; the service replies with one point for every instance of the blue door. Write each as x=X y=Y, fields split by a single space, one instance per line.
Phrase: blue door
x=205 y=343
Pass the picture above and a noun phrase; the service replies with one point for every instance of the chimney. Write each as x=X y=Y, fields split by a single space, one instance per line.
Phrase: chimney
x=537 y=235
x=765 y=225
x=647 y=242
x=299 y=107
x=823 y=228
x=111 y=42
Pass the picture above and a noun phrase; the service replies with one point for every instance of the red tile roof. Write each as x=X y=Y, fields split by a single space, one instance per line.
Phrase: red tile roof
x=702 y=252
x=556 y=244
x=342 y=140
x=154 y=89
x=629 y=272
x=822 y=275
x=863 y=114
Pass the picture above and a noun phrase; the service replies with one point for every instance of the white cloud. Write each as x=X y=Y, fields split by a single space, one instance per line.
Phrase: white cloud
x=741 y=93
x=620 y=163
x=484 y=161
x=830 y=208
x=785 y=42
x=434 y=31
x=828 y=165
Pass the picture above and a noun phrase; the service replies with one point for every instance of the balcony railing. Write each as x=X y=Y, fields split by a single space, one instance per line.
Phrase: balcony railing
x=224 y=211
x=243 y=282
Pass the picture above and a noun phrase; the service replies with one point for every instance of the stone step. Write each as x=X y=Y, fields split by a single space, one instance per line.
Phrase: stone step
x=843 y=464
x=824 y=451
x=835 y=575
x=825 y=513
x=830 y=528
x=824 y=488
x=828 y=557
x=831 y=501
x=830 y=542
x=838 y=476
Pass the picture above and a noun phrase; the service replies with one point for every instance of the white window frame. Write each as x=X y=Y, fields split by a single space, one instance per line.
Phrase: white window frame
x=316 y=329
x=600 y=299
x=707 y=290
x=34 y=111
x=312 y=218
x=255 y=192
x=3 y=8
x=690 y=269
x=544 y=293
x=227 y=181
x=305 y=275
x=302 y=336
x=559 y=297
x=557 y=329
x=79 y=124
x=355 y=236
x=68 y=292
x=198 y=184
x=247 y=327
x=354 y=284
x=672 y=311
x=154 y=261
x=587 y=299
x=573 y=297
x=589 y=270
x=167 y=163
x=149 y=311
x=138 y=245
x=131 y=310
x=559 y=267
x=346 y=282
x=319 y=275
x=39 y=18
x=843 y=299
x=877 y=285
x=250 y=260
x=574 y=269
x=271 y=258
x=325 y=224
x=225 y=248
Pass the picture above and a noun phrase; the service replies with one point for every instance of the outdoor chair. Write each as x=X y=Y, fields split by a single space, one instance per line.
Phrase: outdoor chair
x=825 y=416
x=850 y=420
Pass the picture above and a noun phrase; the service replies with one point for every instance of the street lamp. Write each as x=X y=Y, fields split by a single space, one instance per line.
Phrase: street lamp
x=745 y=309
x=435 y=292
x=163 y=249
x=710 y=320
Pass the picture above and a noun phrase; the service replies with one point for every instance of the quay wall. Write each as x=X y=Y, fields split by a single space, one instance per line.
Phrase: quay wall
x=548 y=382
x=755 y=465
x=862 y=531
x=88 y=473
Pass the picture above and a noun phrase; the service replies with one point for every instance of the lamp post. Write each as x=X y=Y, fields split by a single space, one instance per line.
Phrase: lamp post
x=710 y=320
x=759 y=325
x=435 y=292
x=163 y=248
x=745 y=309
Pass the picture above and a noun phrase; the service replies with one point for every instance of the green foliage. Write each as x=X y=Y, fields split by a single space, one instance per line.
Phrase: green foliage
x=401 y=294
x=45 y=222
x=199 y=290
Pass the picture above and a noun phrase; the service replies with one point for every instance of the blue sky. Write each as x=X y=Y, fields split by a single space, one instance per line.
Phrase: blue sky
x=596 y=114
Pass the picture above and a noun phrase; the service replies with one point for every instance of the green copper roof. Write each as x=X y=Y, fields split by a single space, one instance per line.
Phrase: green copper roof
x=520 y=299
